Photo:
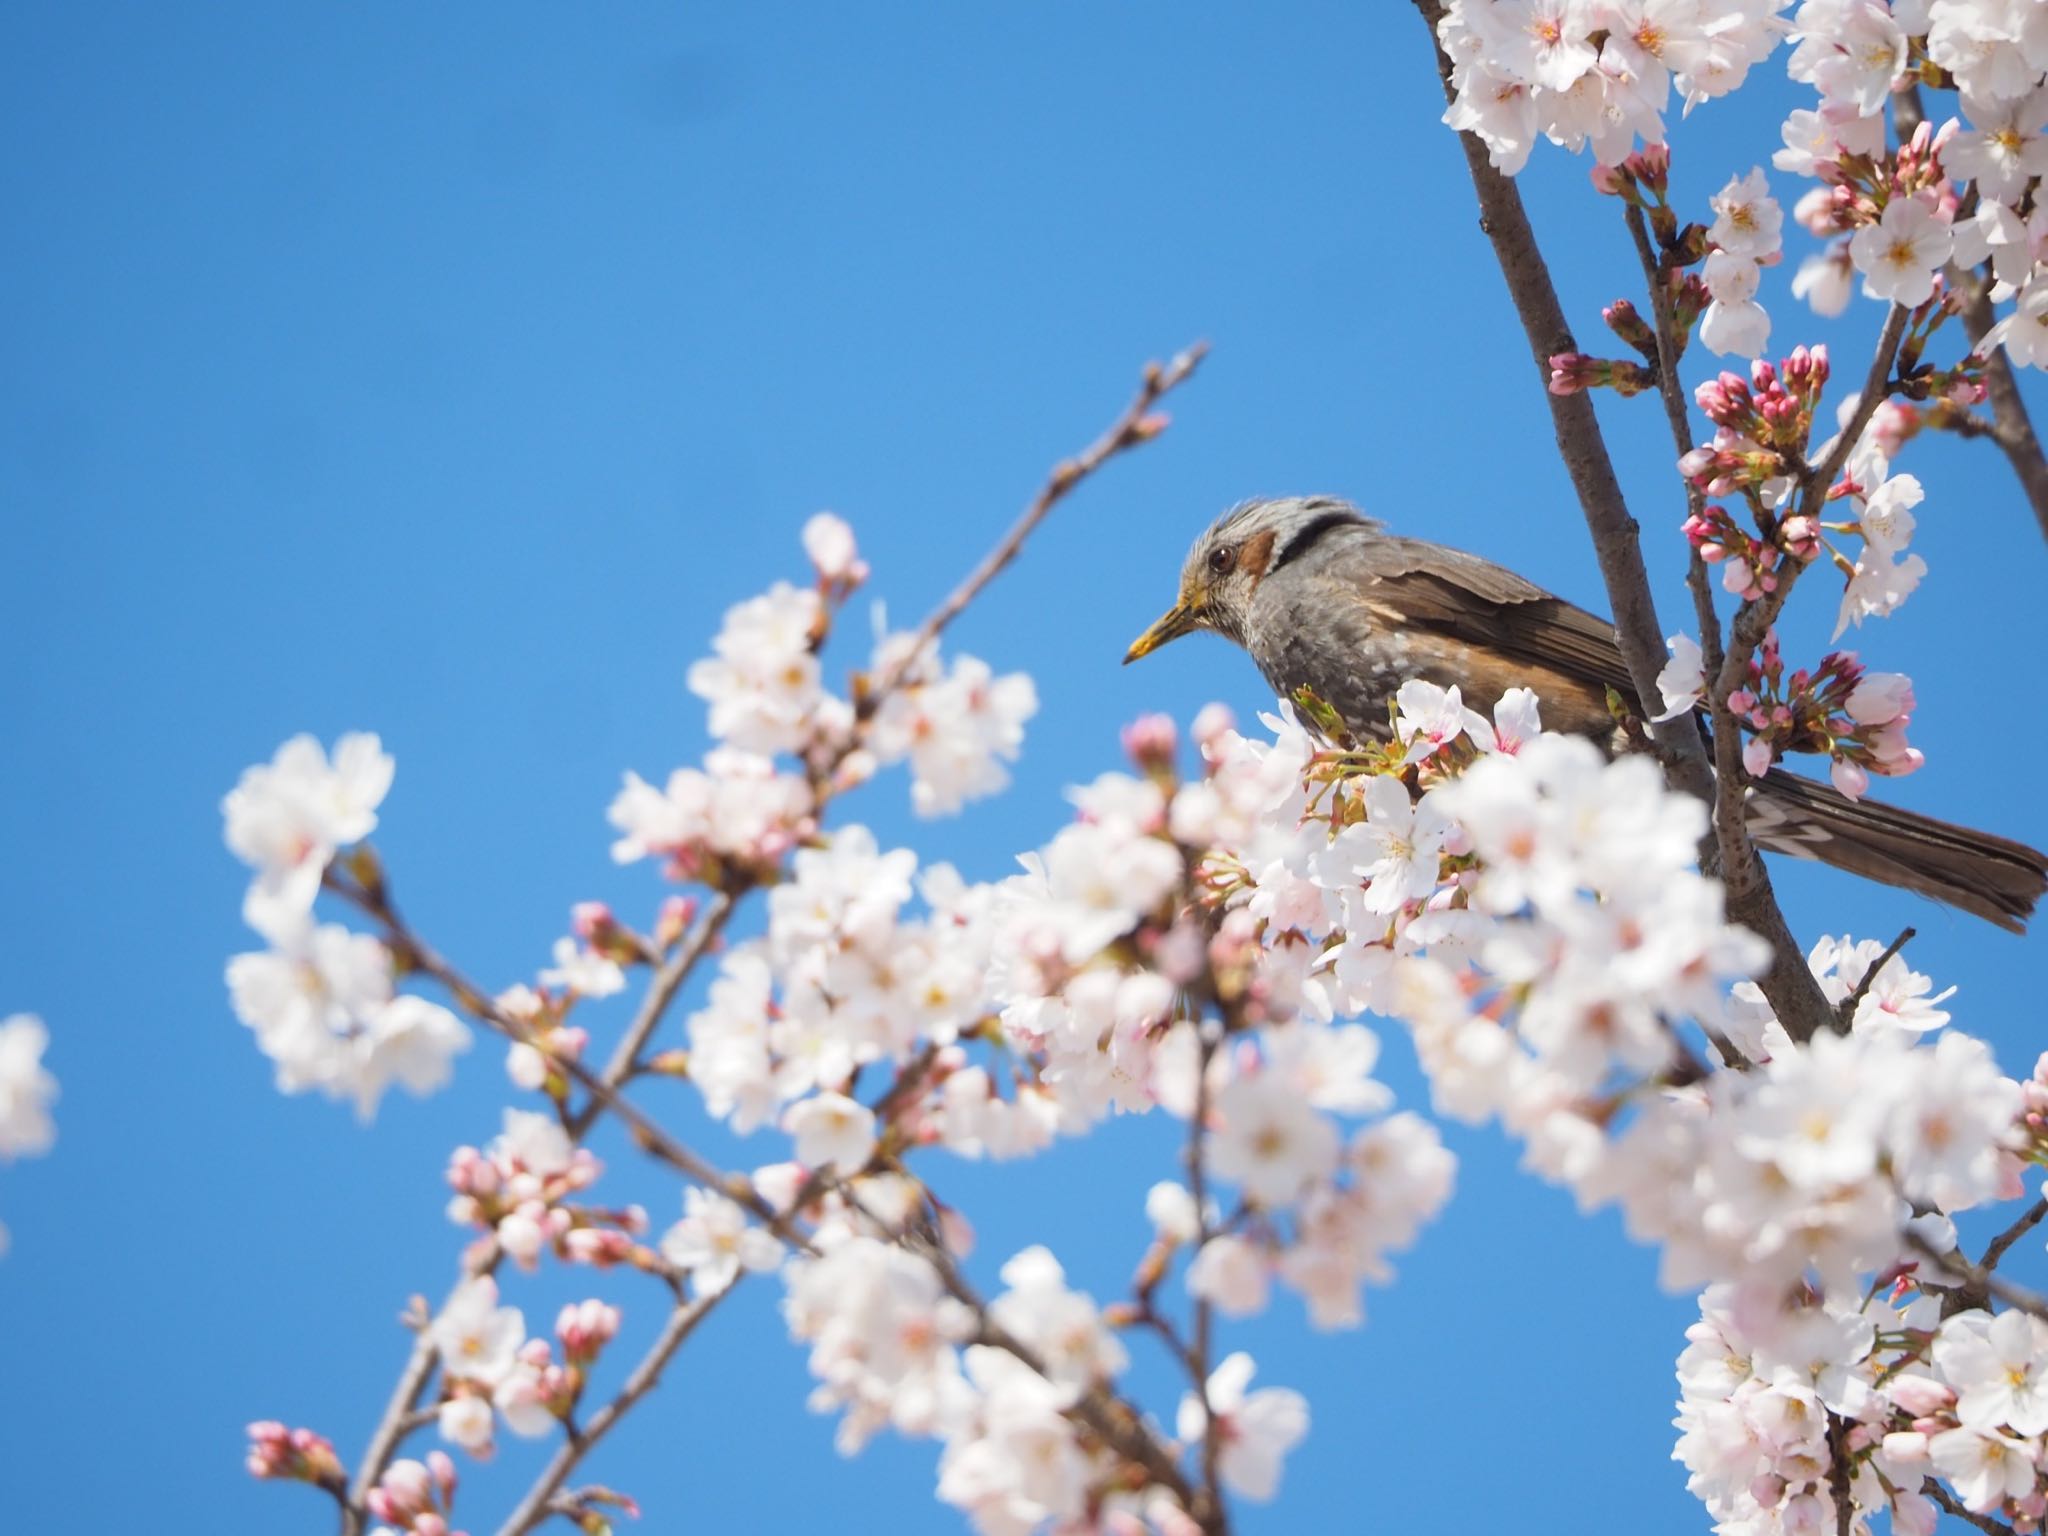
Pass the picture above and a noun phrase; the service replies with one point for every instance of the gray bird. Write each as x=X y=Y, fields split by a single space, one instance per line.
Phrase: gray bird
x=1325 y=599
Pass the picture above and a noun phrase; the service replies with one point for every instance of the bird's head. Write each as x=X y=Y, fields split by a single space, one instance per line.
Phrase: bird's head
x=1241 y=549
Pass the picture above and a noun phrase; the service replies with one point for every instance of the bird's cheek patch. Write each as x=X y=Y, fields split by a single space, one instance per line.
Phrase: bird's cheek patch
x=1257 y=555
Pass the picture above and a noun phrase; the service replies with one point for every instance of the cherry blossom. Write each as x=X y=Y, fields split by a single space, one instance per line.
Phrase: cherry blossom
x=286 y=818
x=714 y=1241
x=1900 y=254
x=1257 y=1429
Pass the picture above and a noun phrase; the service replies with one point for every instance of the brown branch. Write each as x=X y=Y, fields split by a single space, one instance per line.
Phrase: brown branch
x=2013 y=427
x=661 y=992
x=1793 y=993
x=647 y=1134
x=1788 y=983
x=1845 y=1015
x=1615 y=542
x=1098 y=1409
x=1980 y=1286
x=1954 y=1506
x=399 y=1418
x=579 y=1442
x=2027 y=1220
x=1137 y=425
x=1205 y=1314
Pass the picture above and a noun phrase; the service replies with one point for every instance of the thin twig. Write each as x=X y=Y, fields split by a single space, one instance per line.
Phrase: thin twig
x=682 y=1322
x=1112 y=1420
x=1795 y=996
x=399 y=1418
x=1615 y=542
x=1788 y=983
x=1846 y=1014
x=1954 y=1506
x=1980 y=1285
x=661 y=993
x=2027 y=1220
x=419 y=956
x=1137 y=425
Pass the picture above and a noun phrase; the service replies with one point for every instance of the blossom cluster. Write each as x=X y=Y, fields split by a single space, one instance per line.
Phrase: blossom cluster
x=1872 y=1400
x=1960 y=191
x=1593 y=72
x=891 y=1344
x=1200 y=946
x=1856 y=718
x=518 y=1190
x=322 y=1000
x=491 y=1370
x=1599 y=73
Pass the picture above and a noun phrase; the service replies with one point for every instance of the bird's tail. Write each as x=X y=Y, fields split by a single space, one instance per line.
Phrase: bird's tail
x=1994 y=877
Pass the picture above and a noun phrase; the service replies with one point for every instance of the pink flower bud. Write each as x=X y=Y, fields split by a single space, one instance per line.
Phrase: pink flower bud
x=1150 y=742
x=1850 y=777
x=674 y=919
x=591 y=921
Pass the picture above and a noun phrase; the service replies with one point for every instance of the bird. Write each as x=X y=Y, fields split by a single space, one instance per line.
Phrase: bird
x=1323 y=597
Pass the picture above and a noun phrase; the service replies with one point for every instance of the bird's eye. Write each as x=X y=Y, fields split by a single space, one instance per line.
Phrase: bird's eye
x=1221 y=559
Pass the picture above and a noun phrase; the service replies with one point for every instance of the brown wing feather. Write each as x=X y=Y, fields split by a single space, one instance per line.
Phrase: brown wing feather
x=1482 y=604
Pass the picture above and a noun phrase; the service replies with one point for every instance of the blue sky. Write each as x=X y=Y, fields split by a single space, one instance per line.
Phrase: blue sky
x=446 y=371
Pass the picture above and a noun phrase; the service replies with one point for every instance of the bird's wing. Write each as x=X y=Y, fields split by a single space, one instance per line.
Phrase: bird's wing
x=1430 y=587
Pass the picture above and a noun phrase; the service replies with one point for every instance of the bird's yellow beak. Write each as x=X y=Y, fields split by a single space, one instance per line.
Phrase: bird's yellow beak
x=1171 y=625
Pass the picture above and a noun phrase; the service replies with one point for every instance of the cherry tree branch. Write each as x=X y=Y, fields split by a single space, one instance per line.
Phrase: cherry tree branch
x=1098 y=1409
x=578 y=1442
x=1789 y=983
x=399 y=1417
x=1846 y=1014
x=2027 y=1220
x=661 y=992
x=1579 y=441
x=1954 y=1506
x=1138 y=425
x=365 y=889
x=1742 y=868
x=1793 y=993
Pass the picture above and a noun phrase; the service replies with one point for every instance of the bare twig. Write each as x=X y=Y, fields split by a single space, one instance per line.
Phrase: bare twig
x=661 y=992
x=2000 y=1245
x=1098 y=1409
x=1846 y=1014
x=1793 y=993
x=1584 y=450
x=1788 y=983
x=1954 y=1506
x=400 y=1417
x=1137 y=425
x=682 y=1322
x=1980 y=1285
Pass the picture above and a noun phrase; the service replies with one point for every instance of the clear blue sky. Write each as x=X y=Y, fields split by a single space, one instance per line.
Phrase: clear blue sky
x=447 y=370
